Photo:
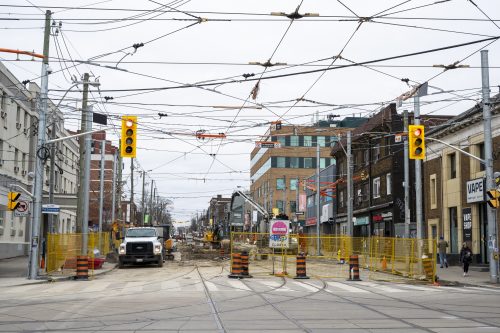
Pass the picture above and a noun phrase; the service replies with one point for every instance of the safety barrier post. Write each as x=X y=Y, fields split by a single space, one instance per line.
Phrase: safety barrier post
x=235 y=266
x=393 y=255
x=354 y=268
x=244 y=265
x=82 y=268
x=301 y=267
x=221 y=252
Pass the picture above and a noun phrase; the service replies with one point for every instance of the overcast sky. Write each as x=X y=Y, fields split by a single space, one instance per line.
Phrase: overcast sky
x=181 y=48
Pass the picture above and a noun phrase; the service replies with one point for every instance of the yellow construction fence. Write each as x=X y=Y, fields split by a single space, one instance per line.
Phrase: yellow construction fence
x=380 y=258
x=62 y=250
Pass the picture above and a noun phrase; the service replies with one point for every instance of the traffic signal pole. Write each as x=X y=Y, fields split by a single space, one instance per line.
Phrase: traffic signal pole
x=418 y=178
x=488 y=156
x=39 y=170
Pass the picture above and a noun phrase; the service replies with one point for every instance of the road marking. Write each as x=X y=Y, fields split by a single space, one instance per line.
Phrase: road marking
x=408 y=286
x=238 y=285
x=211 y=286
x=381 y=287
x=305 y=286
x=346 y=287
x=171 y=286
x=270 y=284
x=96 y=287
x=485 y=289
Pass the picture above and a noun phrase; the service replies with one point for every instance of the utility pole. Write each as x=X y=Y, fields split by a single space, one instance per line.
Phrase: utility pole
x=406 y=175
x=418 y=178
x=349 y=186
x=101 y=186
x=488 y=156
x=318 y=208
x=142 y=201
x=38 y=186
x=81 y=162
x=52 y=169
x=120 y=185
x=113 y=190
x=131 y=191
x=151 y=205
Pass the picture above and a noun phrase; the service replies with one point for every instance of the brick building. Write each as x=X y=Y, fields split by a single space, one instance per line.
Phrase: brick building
x=454 y=184
x=378 y=177
x=276 y=173
x=110 y=159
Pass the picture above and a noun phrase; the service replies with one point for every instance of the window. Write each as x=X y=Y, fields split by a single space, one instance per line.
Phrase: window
x=281 y=162
x=16 y=157
x=321 y=141
x=294 y=140
x=308 y=141
x=366 y=154
x=310 y=200
x=279 y=205
x=388 y=179
x=341 y=169
x=293 y=184
x=280 y=183
x=308 y=162
x=376 y=187
x=452 y=161
x=480 y=147
x=294 y=162
x=281 y=139
x=322 y=163
x=341 y=198
x=293 y=206
x=433 y=192
x=376 y=152
x=18 y=114
x=1 y=151
x=26 y=117
x=452 y=211
x=23 y=162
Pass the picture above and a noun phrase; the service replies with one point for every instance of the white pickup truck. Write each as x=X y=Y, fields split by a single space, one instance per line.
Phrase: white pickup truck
x=140 y=245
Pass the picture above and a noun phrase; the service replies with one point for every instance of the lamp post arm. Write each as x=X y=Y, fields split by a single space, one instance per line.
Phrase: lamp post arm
x=458 y=149
x=76 y=135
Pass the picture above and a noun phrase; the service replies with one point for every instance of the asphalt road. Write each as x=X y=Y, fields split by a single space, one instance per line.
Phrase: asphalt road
x=198 y=297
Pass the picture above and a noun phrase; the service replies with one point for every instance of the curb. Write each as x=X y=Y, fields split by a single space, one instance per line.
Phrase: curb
x=448 y=283
x=51 y=279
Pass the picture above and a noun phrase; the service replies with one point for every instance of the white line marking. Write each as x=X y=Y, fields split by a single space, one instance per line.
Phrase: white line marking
x=346 y=287
x=238 y=285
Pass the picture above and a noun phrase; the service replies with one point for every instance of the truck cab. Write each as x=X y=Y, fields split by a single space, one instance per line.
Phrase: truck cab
x=141 y=245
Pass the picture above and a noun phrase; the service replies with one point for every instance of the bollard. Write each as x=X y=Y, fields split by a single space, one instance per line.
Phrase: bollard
x=82 y=268
x=235 y=266
x=301 y=267
x=221 y=252
x=244 y=265
x=354 y=268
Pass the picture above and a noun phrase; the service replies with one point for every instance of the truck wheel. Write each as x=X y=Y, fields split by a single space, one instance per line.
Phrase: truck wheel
x=120 y=263
x=160 y=261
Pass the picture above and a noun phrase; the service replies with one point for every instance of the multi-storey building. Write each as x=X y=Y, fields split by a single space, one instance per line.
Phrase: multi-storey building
x=110 y=160
x=454 y=183
x=17 y=138
x=327 y=204
x=378 y=177
x=276 y=173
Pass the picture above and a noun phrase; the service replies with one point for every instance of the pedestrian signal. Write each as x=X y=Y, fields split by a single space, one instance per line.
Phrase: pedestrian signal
x=416 y=142
x=12 y=203
x=494 y=196
x=129 y=135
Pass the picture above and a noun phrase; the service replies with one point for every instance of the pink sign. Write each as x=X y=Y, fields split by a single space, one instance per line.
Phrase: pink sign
x=279 y=228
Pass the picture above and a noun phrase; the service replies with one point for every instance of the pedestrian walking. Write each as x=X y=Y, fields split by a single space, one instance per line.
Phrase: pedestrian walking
x=442 y=245
x=465 y=258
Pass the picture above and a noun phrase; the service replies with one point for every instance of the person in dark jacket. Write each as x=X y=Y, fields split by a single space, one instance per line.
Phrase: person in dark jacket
x=465 y=258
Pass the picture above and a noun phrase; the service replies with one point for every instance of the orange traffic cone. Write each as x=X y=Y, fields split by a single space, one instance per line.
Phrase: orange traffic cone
x=42 y=263
x=384 y=264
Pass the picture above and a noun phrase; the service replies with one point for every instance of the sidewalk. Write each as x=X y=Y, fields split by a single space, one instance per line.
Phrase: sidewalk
x=14 y=272
x=454 y=275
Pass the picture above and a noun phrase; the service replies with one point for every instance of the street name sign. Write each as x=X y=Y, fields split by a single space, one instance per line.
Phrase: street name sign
x=51 y=209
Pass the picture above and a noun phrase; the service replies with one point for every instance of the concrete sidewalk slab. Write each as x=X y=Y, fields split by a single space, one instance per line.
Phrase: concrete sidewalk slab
x=454 y=275
x=14 y=272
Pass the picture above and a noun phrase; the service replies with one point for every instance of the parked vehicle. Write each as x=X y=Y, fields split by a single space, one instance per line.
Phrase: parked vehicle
x=141 y=245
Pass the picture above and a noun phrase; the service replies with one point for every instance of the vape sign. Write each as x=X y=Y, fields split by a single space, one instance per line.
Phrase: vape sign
x=278 y=237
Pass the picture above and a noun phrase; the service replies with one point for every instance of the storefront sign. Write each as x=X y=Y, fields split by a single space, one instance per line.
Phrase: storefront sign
x=467 y=218
x=475 y=190
x=341 y=219
x=311 y=221
x=387 y=216
x=362 y=220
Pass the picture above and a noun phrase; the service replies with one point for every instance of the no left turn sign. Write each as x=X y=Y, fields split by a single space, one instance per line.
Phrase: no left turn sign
x=22 y=209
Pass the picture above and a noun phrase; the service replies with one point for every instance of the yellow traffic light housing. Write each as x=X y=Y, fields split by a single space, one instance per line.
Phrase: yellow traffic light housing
x=129 y=135
x=416 y=142
x=12 y=203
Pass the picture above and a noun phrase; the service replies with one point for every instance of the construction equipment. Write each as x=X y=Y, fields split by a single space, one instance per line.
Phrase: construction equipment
x=164 y=230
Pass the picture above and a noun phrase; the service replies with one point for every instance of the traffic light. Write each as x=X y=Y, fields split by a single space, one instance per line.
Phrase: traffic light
x=494 y=198
x=13 y=197
x=129 y=135
x=416 y=141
